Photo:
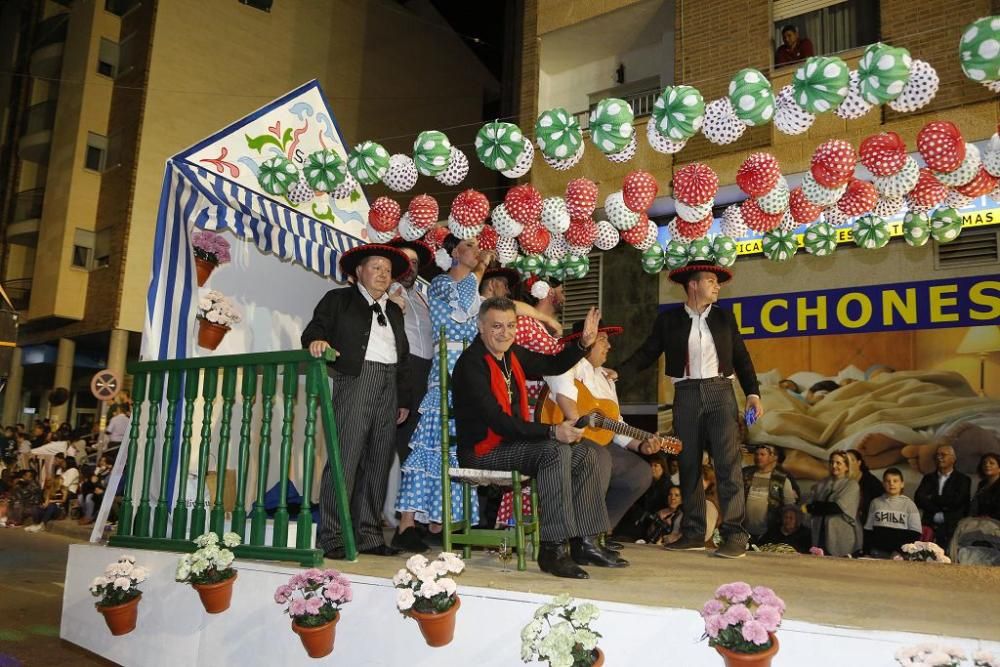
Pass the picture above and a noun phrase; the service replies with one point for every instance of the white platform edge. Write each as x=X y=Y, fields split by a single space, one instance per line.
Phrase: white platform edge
x=173 y=629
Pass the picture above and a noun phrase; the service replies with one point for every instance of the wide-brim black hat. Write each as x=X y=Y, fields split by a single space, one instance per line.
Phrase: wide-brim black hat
x=349 y=260
x=680 y=275
x=512 y=276
x=424 y=253
x=578 y=331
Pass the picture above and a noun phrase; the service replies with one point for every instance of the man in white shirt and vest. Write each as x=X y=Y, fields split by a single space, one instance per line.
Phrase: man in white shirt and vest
x=630 y=473
x=704 y=352
x=370 y=390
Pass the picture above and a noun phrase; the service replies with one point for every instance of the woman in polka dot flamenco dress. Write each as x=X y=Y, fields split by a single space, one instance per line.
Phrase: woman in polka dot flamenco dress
x=454 y=303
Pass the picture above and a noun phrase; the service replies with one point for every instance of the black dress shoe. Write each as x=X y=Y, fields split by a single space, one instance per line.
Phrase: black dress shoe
x=337 y=553
x=586 y=551
x=409 y=540
x=553 y=557
x=380 y=550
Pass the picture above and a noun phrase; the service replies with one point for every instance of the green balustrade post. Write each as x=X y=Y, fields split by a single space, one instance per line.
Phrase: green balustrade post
x=315 y=373
x=162 y=502
x=289 y=388
x=155 y=397
x=248 y=393
x=218 y=520
x=258 y=521
x=181 y=510
x=335 y=461
x=209 y=387
x=126 y=510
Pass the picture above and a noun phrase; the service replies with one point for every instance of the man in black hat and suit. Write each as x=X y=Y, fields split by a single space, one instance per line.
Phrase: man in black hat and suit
x=704 y=353
x=370 y=389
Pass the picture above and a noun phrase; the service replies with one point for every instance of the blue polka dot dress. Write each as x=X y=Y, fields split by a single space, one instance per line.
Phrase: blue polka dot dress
x=454 y=305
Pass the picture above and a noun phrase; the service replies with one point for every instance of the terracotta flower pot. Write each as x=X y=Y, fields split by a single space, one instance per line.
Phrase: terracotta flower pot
x=438 y=629
x=121 y=618
x=210 y=334
x=216 y=597
x=600 y=658
x=318 y=641
x=761 y=659
x=204 y=269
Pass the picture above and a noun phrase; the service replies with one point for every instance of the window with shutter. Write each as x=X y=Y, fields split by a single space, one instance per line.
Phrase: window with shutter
x=582 y=294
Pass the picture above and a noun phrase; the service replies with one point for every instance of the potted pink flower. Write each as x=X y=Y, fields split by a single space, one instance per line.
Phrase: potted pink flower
x=740 y=623
x=313 y=600
x=210 y=250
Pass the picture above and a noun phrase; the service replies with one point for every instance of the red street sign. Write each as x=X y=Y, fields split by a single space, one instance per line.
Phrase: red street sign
x=104 y=385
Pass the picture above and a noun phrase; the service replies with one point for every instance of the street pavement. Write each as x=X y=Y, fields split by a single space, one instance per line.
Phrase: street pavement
x=32 y=571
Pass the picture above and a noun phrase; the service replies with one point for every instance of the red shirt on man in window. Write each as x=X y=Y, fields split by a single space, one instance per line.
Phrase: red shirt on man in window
x=793 y=49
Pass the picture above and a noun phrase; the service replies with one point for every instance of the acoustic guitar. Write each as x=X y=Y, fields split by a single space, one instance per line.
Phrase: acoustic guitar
x=601 y=419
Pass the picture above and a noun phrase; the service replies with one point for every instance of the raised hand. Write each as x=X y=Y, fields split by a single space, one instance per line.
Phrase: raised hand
x=590 y=325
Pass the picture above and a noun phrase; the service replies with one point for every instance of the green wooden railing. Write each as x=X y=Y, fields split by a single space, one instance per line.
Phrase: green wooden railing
x=143 y=524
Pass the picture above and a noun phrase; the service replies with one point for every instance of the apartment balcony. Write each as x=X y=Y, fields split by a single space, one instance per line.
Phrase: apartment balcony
x=47 y=55
x=36 y=139
x=19 y=292
x=23 y=226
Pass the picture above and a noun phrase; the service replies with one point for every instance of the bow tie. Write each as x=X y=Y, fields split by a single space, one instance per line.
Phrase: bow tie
x=379 y=315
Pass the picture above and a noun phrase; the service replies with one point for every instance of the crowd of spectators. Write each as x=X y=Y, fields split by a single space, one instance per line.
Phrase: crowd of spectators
x=52 y=472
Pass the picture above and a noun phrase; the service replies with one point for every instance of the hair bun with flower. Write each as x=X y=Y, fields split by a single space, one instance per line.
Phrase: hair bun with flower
x=538 y=287
x=442 y=258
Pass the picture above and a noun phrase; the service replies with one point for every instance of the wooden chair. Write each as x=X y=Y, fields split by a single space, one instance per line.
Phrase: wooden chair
x=464 y=533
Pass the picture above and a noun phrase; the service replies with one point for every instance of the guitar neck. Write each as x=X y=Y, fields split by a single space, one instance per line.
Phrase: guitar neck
x=621 y=428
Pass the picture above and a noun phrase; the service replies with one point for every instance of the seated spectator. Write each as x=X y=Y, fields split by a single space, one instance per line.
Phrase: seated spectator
x=986 y=501
x=893 y=520
x=833 y=506
x=943 y=496
x=6 y=488
x=767 y=489
x=790 y=531
x=637 y=521
x=90 y=496
x=71 y=477
x=666 y=528
x=8 y=447
x=871 y=488
x=52 y=507
x=24 y=499
x=794 y=48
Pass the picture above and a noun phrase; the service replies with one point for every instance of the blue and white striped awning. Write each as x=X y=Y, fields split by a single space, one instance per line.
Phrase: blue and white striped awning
x=193 y=197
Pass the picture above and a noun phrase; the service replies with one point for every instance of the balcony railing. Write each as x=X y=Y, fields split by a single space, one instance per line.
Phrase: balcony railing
x=145 y=523
x=641 y=102
x=28 y=205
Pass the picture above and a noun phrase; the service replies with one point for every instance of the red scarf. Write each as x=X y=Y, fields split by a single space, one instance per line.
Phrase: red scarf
x=499 y=388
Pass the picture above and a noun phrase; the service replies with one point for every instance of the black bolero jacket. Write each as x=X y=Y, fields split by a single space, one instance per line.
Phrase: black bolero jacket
x=343 y=319
x=670 y=337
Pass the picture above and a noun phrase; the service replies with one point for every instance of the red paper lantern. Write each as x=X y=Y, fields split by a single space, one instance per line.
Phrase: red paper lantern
x=384 y=214
x=859 y=198
x=581 y=198
x=524 y=203
x=423 y=210
x=833 y=163
x=639 y=190
x=470 y=208
x=695 y=184
x=758 y=174
x=941 y=145
x=883 y=154
x=758 y=220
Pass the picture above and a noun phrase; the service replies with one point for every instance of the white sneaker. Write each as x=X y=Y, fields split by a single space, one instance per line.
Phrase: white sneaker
x=34 y=528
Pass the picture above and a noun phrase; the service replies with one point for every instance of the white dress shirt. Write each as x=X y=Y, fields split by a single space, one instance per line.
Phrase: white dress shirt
x=417 y=320
x=702 y=359
x=594 y=380
x=381 y=341
x=942 y=480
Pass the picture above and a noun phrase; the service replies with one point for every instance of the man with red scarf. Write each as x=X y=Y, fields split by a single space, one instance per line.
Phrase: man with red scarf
x=494 y=433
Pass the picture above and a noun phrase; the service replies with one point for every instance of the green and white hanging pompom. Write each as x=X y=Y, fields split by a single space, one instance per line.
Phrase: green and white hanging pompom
x=870 y=232
x=652 y=259
x=368 y=162
x=946 y=225
x=979 y=52
x=611 y=125
x=324 y=170
x=431 y=152
x=916 y=228
x=883 y=70
x=499 y=145
x=678 y=113
x=779 y=245
x=277 y=174
x=821 y=84
x=752 y=98
x=820 y=239
x=675 y=254
x=557 y=134
x=724 y=250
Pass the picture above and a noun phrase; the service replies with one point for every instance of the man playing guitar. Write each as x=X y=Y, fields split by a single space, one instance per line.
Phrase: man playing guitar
x=587 y=393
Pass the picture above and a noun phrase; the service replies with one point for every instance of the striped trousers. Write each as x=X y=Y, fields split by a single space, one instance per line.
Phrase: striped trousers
x=365 y=410
x=572 y=480
x=705 y=413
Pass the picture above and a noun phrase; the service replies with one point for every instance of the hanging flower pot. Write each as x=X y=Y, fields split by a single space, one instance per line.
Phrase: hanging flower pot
x=317 y=640
x=216 y=597
x=760 y=659
x=121 y=618
x=437 y=628
x=204 y=269
x=599 y=660
x=210 y=334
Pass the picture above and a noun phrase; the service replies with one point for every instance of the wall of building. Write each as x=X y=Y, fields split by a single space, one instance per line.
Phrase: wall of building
x=71 y=191
x=375 y=62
